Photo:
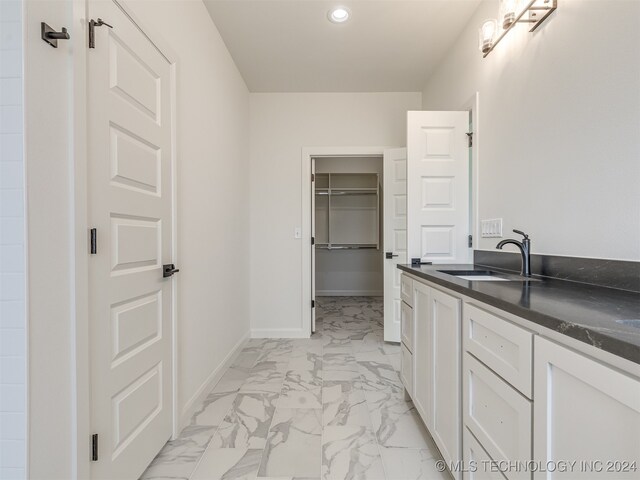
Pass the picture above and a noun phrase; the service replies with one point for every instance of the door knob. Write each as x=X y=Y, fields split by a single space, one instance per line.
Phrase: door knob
x=390 y=255
x=168 y=270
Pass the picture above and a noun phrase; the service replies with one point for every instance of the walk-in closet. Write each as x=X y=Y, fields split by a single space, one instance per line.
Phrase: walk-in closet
x=348 y=219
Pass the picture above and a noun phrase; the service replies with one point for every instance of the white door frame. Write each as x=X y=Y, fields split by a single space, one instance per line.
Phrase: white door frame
x=307 y=154
x=472 y=105
x=79 y=110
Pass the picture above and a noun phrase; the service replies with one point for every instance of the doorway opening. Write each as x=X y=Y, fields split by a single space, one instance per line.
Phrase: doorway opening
x=347 y=238
x=348 y=233
x=357 y=225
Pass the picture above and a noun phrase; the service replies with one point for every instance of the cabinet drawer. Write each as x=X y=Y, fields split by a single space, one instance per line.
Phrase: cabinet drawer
x=476 y=460
x=406 y=325
x=497 y=415
x=504 y=347
x=406 y=369
x=406 y=289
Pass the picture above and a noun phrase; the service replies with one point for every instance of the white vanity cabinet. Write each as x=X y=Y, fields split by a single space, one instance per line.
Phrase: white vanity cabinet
x=584 y=411
x=491 y=388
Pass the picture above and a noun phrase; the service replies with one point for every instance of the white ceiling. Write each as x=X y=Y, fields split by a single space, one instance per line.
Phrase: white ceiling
x=386 y=46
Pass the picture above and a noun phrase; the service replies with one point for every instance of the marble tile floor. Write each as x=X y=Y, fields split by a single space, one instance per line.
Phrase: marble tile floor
x=330 y=407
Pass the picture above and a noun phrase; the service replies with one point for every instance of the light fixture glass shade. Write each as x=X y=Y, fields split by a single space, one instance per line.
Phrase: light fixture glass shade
x=509 y=10
x=487 y=35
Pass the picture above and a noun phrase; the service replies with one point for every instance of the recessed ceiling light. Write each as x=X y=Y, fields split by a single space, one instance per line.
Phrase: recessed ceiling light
x=338 y=15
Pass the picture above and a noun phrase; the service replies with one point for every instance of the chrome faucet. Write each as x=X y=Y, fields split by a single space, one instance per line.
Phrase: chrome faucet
x=525 y=250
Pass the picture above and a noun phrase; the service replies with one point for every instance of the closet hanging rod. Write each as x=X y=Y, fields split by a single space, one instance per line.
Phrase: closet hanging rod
x=341 y=193
x=348 y=247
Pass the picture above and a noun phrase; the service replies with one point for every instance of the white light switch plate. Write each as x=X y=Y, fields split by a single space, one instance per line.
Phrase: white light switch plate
x=491 y=228
x=297 y=232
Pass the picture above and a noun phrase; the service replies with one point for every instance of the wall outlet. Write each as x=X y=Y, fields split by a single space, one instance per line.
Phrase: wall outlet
x=491 y=228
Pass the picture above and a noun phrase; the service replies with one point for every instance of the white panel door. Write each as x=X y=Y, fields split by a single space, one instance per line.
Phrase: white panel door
x=130 y=204
x=585 y=411
x=438 y=186
x=395 y=236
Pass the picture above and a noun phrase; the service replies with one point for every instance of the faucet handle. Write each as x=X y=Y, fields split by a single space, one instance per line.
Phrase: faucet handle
x=520 y=232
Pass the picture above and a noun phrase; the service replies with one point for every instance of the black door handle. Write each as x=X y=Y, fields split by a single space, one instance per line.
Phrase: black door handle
x=389 y=255
x=168 y=270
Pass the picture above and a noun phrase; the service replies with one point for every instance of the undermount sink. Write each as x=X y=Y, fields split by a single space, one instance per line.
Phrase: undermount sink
x=468 y=273
x=476 y=275
x=488 y=276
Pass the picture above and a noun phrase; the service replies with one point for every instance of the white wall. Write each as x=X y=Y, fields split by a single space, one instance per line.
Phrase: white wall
x=50 y=246
x=281 y=125
x=559 y=126
x=213 y=183
x=350 y=272
x=212 y=148
x=13 y=352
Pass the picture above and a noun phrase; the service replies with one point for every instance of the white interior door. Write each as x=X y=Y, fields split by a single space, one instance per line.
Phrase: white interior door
x=130 y=196
x=313 y=245
x=395 y=236
x=438 y=186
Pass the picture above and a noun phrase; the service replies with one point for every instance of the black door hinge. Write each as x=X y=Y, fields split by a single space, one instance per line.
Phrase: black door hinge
x=313 y=240
x=94 y=447
x=313 y=304
x=94 y=241
x=470 y=139
x=313 y=177
x=470 y=241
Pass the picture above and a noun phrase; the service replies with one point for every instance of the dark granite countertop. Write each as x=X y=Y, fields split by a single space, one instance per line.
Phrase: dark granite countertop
x=606 y=318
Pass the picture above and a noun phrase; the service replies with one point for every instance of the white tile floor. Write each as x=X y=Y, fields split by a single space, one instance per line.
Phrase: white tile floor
x=330 y=407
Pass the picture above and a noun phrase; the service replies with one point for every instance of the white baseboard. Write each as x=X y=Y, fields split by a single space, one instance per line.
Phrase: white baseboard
x=349 y=293
x=279 y=333
x=210 y=382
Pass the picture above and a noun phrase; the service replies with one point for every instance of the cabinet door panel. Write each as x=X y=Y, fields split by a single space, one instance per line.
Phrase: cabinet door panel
x=406 y=369
x=584 y=411
x=423 y=358
x=406 y=325
x=445 y=316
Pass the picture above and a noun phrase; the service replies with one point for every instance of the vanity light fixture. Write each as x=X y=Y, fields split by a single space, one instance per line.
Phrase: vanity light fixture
x=512 y=12
x=338 y=15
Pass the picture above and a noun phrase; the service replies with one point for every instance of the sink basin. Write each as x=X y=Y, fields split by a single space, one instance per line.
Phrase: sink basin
x=482 y=278
x=488 y=276
x=634 y=322
x=468 y=273
x=476 y=275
